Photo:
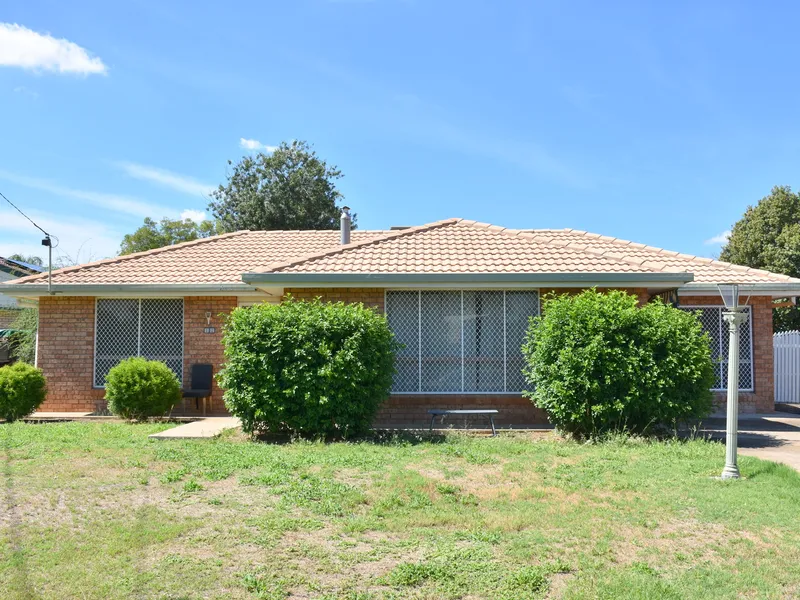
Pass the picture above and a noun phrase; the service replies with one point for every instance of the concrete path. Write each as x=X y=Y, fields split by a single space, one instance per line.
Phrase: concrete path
x=771 y=436
x=203 y=428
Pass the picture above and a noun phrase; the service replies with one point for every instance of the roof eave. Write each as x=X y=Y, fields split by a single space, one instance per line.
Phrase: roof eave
x=452 y=279
x=29 y=290
x=759 y=289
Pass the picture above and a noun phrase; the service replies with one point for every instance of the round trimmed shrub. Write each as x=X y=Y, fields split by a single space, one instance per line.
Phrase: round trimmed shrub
x=312 y=368
x=22 y=390
x=137 y=388
x=599 y=363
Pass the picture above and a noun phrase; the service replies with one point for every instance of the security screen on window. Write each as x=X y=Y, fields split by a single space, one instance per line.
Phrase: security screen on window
x=460 y=341
x=148 y=327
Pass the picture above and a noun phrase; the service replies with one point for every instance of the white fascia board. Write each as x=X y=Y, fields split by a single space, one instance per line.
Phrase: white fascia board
x=130 y=290
x=774 y=290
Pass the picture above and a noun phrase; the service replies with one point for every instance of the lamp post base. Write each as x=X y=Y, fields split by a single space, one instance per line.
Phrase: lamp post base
x=730 y=472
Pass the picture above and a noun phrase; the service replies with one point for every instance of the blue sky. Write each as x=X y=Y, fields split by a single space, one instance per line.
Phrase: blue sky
x=656 y=122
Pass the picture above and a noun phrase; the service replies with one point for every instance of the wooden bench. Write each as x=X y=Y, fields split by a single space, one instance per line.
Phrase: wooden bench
x=438 y=412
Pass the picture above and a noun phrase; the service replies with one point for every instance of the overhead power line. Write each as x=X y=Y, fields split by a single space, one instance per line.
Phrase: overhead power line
x=19 y=210
x=45 y=242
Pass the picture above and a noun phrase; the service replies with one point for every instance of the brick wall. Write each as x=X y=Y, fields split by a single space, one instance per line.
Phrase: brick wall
x=66 y=353
x=372 y=297
x=762 y=398
x=641 y=293
x=66 y=348
x=202 y=347
x=413 y=410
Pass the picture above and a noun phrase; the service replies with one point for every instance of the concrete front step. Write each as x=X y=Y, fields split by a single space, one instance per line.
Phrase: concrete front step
x=202 y=428
x=788 y=407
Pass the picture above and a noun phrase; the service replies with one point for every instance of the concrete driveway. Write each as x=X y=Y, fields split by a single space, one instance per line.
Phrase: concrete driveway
x=772 y=436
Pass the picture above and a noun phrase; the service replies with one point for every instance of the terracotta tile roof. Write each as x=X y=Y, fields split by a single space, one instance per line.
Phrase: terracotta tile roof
x=458 y=246
x=216 y=260
x=705 y=270
x=450 y=246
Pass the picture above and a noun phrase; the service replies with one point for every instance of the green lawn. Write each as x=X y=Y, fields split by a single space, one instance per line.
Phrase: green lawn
x=99 y=511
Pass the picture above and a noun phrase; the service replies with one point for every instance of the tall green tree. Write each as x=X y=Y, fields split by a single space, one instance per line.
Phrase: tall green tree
x=290 y=188
x=167 y=232
x=768 y=237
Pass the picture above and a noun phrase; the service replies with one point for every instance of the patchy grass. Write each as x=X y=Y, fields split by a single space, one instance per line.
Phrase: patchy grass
x=99 y=511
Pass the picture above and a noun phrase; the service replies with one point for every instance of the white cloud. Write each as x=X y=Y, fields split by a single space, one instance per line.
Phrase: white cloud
x=27 y=49
x=168 y=179
x=122 y=204
x=198 y=216
x=718 y=239
x=255 y=145
x=78 y=239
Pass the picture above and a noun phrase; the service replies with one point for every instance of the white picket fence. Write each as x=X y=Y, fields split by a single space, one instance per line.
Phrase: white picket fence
x=786 y=347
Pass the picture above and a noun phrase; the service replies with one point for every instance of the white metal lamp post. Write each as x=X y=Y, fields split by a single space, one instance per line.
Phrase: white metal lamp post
x=733 y=316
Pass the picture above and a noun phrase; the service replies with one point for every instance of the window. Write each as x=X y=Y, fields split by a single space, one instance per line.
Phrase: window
x=152 y=328
x=717 y=329
x=460 y=341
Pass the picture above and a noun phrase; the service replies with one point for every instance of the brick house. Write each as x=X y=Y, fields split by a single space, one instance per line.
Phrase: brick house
x=457 y=293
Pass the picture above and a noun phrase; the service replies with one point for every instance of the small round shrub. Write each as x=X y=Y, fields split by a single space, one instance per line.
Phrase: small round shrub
x=599 y=363
x=311 y=368
x=22 y=390
x=137 y=388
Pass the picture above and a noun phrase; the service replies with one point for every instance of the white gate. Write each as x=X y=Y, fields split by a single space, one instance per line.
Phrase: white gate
x=786 y=346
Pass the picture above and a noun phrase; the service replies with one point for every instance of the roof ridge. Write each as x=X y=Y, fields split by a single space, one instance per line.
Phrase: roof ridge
x=283 y=264
x=690 y=257
x=337 y=230
x=535 y=236
x=126 y=257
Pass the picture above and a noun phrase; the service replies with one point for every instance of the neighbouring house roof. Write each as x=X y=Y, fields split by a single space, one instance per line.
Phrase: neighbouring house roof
x=9 y=270
x=18 y=268
x=449 y=251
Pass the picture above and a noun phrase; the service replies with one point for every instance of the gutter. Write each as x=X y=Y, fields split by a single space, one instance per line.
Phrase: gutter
x=452 y=279
x=776 y=289
x=28 y=290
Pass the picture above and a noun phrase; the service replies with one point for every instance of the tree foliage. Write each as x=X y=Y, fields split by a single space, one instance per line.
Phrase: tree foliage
x=167 y=232
x=311 y=368
x=768 y=237
x=290 y=188
x=30 y=259
x=598 y=363
x=23 y=340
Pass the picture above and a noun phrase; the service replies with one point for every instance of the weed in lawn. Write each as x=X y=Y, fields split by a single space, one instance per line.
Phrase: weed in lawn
x=526 y=582
x=174 y=475
x=192 y=486
x=409 y=574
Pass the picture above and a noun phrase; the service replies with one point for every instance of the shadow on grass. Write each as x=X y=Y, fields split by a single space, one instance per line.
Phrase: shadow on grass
x=385 y=437
x=748 y=440
x=767 y=468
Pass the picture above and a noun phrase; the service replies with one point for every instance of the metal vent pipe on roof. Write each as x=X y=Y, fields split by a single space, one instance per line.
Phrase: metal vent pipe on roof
x=345 y=225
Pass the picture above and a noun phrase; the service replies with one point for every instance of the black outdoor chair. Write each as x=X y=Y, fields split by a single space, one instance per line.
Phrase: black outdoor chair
x=200 y=386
